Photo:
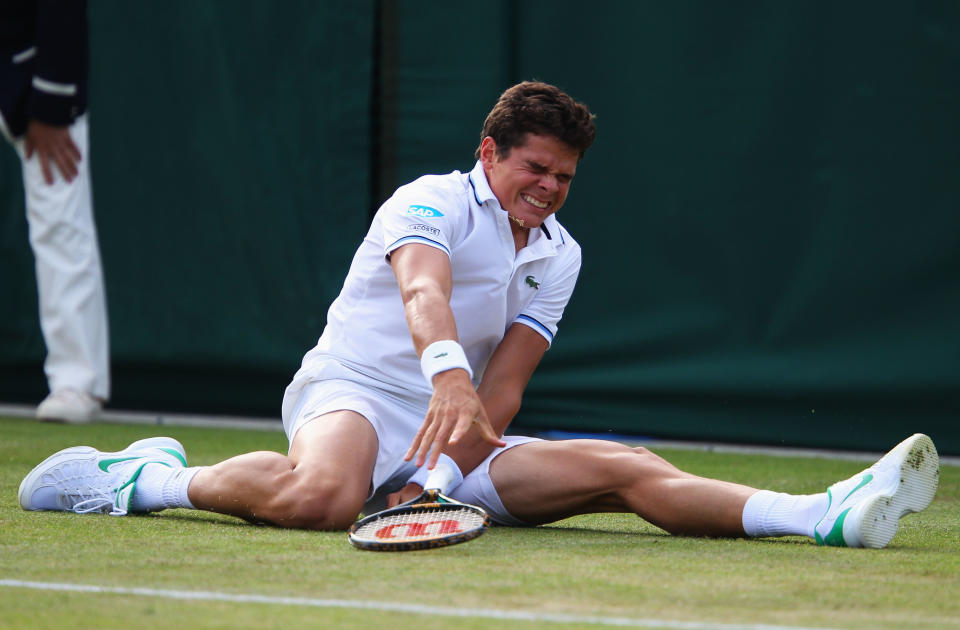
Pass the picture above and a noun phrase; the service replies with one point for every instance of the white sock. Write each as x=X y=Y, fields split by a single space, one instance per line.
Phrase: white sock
x=160 y=487
x=777 y=514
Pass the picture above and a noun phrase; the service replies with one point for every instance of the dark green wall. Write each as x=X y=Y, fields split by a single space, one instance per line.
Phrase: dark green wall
x=769 y=216
x=770 y=220
x=230 y=154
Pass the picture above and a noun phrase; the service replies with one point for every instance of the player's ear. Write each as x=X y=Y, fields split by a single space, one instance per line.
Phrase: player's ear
x=488 y=151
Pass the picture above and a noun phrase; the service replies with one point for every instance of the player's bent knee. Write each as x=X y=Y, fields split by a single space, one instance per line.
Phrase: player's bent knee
x=650 y=459
x=314 y=504
x=647 y=454
x=620 y=469
x=638 y=469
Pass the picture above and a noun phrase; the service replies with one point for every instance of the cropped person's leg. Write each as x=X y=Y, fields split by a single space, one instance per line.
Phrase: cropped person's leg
x=70 y=285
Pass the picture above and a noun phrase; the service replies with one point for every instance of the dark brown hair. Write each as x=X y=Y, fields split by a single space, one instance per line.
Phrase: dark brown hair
x=542 y=109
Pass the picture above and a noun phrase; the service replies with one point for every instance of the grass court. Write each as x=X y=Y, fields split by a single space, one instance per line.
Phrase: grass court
x=187 y=569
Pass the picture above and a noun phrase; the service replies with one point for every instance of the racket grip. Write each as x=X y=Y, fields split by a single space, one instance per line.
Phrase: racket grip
x=445 y=476
x=440 y=477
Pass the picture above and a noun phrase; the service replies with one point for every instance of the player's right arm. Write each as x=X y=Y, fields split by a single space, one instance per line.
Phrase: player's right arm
x=425 y=280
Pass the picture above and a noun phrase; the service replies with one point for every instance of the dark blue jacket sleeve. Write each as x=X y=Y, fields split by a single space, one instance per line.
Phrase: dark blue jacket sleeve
x=58 y=88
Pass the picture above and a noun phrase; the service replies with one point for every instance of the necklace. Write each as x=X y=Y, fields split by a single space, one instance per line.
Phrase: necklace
x=516 y=220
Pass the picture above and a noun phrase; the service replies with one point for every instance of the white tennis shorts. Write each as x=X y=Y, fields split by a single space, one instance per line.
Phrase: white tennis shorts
x=395 y=420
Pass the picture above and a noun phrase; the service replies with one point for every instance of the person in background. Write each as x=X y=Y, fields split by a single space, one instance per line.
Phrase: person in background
x=43 y=114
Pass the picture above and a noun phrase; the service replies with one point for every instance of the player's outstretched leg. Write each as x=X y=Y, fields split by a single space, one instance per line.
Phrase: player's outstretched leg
x=865 y=510
x=82 y=479
x=541 y=482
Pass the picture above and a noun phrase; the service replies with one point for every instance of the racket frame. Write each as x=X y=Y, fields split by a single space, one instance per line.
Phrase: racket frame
x=429 y=499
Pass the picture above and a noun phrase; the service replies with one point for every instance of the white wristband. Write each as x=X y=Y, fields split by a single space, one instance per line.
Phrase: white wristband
x=441 y=356
x=446 y=474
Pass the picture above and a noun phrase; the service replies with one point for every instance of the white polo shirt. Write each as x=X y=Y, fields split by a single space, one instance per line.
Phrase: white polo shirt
x=494 y=286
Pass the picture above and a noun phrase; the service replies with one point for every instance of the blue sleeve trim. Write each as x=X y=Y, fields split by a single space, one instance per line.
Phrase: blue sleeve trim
x=537 y=326
x=417 y=239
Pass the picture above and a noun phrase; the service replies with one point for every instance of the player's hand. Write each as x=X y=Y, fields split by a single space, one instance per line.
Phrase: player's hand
x=454 y=409
x=52 y=144
x=410 y=491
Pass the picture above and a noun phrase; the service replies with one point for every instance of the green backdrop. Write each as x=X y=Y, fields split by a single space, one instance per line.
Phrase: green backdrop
x=769 y=216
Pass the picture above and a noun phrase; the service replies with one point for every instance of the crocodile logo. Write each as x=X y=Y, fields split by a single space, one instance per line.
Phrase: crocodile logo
x=531 y=281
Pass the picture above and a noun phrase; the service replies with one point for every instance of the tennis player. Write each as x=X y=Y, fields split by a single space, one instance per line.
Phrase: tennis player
x=450 y=303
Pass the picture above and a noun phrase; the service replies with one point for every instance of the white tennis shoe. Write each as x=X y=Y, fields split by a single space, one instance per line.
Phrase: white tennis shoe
x=82 y=479
x=69 y=405
x=865 y=510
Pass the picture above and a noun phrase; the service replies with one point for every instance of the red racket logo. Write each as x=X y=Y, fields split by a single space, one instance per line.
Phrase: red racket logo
x=447 y=526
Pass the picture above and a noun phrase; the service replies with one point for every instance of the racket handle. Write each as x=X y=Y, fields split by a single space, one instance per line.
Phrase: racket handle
x=439 y=478
x=445 y=476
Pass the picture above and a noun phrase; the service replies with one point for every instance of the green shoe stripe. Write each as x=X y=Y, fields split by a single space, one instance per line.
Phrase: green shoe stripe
x=835 y=537
x=176 y=454
x=105 y=464
x=867 y=478
x=816 y=534
x=132 y=484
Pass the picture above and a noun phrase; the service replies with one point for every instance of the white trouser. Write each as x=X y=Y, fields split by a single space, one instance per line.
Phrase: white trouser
x=73 y=309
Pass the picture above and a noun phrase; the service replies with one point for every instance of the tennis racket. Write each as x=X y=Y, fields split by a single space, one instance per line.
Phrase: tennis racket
x=428 y=521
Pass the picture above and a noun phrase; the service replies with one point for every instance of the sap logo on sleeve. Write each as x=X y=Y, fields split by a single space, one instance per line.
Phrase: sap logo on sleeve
x=424 y=212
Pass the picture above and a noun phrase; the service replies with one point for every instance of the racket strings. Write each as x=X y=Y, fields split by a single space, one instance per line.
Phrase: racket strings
x=421 y=524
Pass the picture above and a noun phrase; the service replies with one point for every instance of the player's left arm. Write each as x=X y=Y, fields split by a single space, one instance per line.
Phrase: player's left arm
x=519 y=353
x=506 y=377
x=501 y=392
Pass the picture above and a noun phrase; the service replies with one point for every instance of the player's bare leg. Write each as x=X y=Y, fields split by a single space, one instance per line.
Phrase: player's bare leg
x=541 y=482
x=545 y=481
x=321 y=484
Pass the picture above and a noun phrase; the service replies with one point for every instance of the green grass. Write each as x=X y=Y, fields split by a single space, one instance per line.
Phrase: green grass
x=598 y=565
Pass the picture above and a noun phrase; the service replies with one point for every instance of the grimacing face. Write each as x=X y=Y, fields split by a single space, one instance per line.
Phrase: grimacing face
x=532 y=182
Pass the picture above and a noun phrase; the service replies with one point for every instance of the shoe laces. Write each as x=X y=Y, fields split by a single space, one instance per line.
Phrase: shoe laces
x=98 y=504
x=89 y=492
